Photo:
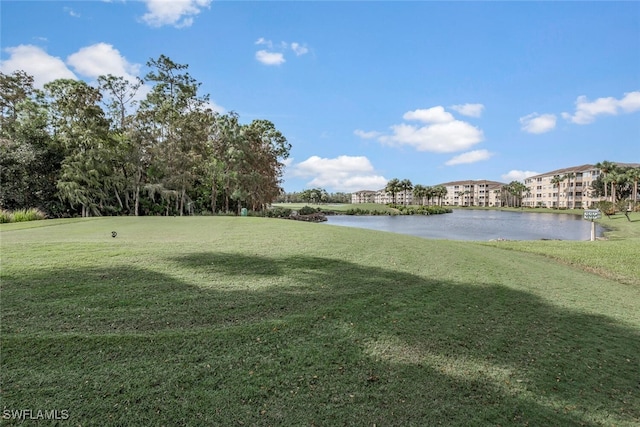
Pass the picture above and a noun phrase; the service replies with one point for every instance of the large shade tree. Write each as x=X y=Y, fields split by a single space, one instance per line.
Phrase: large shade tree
x=29 y=160
x=177 y=123
x=119 y=98
x=80 y=127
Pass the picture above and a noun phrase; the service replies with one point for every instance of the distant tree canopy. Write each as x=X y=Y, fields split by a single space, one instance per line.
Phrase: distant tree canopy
x=75 y=149
x=616 y=182
x=314 y=195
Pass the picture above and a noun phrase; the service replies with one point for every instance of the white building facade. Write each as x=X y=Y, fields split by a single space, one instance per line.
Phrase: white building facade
x=573 y=192
x=473 y=193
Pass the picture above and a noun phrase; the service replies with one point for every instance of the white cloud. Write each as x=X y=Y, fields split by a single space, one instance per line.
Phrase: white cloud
x=442 y=133
x=471 y=110
x=298 y=49
x=630 y=102
x=343 y=173
x=102 y=59
x=90 y=62
x=263 y=41
x=366 y=135
x=429 y=115
x=587 y=111
x=538 y=123
x=469 y=157
x=517 y=175
x=178 y=13
x=36 y=62
x=270 y=58
x=274 y=54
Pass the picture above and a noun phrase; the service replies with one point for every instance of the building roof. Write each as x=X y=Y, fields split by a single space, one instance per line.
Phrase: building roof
x=582 y=168
x=473 y=182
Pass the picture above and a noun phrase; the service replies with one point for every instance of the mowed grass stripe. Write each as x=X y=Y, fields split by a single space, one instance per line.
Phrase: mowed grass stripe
x=252 y=321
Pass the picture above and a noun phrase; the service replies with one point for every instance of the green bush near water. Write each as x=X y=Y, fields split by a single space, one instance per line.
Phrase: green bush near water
x=423 y=210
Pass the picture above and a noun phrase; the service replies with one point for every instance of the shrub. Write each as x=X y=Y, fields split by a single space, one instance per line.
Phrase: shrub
x=5 y=216
x=21 y=215
x=278 y=213
x=606 y=207
x=357 y=211
x=308 y=210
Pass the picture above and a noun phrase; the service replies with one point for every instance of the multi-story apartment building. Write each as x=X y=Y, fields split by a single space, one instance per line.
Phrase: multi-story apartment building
x=382 y=197
x=459 y=193
x=364 y=196
x=572 y=192
x=473 y=193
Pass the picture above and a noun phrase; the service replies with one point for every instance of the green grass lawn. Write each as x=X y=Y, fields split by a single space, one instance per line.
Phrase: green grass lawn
x=223 y=321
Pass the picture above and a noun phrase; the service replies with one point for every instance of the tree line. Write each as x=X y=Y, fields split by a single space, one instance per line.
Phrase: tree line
x=314 y=196
x=76 y=149
x=424 y=193
x=617 y=182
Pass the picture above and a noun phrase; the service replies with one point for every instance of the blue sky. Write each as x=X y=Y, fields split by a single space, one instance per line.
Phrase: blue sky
x=369 y=91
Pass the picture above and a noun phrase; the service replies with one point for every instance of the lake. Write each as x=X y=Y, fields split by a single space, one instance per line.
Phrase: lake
x=470 y=224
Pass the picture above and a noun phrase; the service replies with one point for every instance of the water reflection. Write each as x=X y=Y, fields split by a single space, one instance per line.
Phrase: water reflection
x=465 y=224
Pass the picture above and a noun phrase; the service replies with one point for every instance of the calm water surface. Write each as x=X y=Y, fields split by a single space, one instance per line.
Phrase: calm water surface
x=477 y=225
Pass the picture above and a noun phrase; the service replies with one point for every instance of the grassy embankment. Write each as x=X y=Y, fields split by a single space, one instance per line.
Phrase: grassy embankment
x=251 y=321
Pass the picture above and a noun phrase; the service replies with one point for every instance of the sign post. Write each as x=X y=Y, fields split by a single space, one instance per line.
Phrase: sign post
x=592 y=215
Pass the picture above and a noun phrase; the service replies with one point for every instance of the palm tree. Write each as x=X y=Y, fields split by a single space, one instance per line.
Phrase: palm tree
x=505 y=195
x=517 y=190
x=440 y=191
x=614 y=178
x=569 y=176
x=555 y=181
x=633 y=174
x=605 y=167
x=419 y=193
x=431 y=193
x=406 y=186
x=393 y=186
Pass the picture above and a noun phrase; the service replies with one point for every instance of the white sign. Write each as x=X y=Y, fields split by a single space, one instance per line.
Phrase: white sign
x=592 y=214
